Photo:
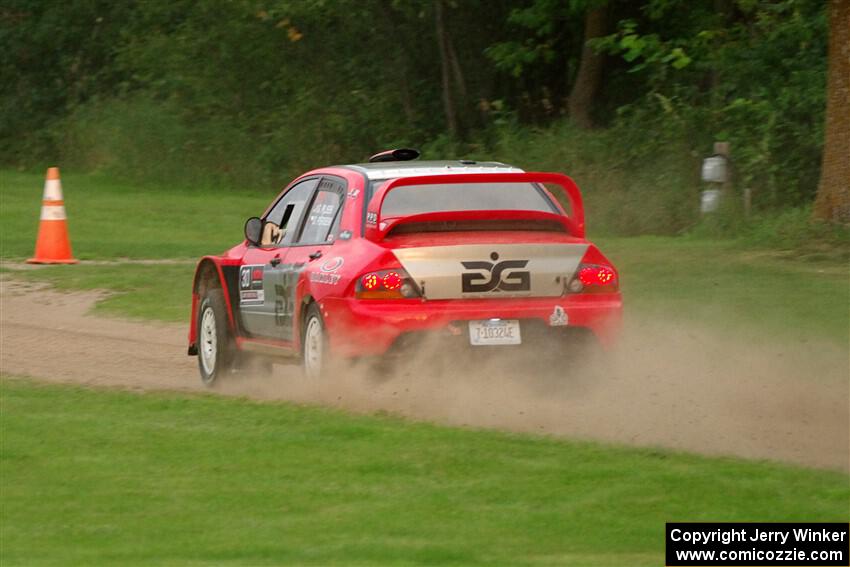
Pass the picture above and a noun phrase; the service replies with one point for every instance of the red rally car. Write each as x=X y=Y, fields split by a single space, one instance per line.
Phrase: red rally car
x=363 y=260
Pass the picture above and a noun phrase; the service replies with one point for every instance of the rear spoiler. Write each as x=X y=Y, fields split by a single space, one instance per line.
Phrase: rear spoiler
x=377 y=229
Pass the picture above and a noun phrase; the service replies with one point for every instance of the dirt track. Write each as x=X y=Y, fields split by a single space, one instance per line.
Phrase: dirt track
x=668 y=386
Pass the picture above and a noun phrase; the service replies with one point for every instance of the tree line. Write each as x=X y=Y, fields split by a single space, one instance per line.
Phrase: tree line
x=250 y=91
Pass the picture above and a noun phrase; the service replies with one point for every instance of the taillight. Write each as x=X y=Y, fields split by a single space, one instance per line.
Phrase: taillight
x=370 y=282
x=594 y=278
x=386 y=284
x=391 y=281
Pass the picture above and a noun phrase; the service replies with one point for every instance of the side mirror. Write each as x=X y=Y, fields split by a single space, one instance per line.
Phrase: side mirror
x=253 y=230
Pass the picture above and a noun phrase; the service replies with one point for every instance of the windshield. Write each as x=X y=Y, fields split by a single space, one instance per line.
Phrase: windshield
x=417 y=199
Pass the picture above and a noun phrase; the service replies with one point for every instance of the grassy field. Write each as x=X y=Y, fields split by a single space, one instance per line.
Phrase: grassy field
x=117 y=478
x=108 y=218
x=721 y=284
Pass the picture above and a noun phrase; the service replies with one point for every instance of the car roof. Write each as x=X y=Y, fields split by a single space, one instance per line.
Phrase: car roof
x=396 y=169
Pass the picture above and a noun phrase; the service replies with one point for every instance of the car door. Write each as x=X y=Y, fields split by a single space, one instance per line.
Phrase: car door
x=263 y=297
x=312 y=243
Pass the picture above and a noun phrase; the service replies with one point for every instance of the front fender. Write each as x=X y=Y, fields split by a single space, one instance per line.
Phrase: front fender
x=211 y=272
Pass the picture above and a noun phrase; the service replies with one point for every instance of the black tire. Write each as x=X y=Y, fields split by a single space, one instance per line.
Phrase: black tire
x=216 y=347
x=314 y=344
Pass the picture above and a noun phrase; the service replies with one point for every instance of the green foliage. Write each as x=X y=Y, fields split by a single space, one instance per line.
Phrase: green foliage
x=790 y=230
x=544 y=26
x=647 y=51
x=55 y=56
x=793 y=229
x=249 y=93
x=150 y=141
x=753 y=76
x=631 y=185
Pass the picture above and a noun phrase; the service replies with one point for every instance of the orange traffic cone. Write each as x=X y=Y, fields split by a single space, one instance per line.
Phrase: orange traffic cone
x=52 y=245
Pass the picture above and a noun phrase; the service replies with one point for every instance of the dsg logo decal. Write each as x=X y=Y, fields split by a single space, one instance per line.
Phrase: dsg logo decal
x=512 y=280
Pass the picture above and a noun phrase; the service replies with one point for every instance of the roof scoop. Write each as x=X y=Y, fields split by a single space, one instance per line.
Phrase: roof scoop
x=400 y=154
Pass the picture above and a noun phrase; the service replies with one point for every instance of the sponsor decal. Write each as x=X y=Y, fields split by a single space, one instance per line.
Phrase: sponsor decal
x=251 y=285
x=558 y=318
x=323 y=278
x=332 y=264
x=345 y=235
x=353 y=193
x=250 y=295
x=495 y=276
x=371 y=218
x=322 y=215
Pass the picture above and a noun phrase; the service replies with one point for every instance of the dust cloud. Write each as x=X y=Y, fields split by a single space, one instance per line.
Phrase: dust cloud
x=666 y=385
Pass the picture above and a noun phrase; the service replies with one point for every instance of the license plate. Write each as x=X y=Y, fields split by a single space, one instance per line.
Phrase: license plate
x=494 y=332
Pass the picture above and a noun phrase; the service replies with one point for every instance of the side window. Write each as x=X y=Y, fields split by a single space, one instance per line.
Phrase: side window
x=283 y=218
x=324 y=213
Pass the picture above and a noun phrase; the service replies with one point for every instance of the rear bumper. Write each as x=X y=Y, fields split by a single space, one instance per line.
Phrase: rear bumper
x=371 y=327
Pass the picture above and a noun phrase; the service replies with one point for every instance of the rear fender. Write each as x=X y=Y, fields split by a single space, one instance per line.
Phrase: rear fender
x=299 y=319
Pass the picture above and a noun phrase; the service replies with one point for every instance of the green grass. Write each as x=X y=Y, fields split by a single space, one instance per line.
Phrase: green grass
x=722 y=284
x=108 y=218
x=116 y=478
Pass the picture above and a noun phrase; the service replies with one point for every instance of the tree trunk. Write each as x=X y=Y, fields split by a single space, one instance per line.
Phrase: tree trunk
x=833 y=199
x=393 y=20
x=589 y=69
x=406 y=98
x=448 y=100
x=460 y=81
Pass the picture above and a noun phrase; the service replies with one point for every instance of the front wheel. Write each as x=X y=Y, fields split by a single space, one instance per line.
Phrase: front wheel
x=216 y=351
x=314 y=344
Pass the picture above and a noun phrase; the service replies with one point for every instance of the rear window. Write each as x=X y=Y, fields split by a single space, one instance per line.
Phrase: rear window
x=416 y=199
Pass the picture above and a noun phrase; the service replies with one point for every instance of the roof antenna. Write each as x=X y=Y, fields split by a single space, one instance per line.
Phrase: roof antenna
x=400 y=154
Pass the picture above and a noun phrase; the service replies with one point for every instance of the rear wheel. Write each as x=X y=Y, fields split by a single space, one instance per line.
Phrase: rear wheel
x=216 y=351
x=314 y=344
